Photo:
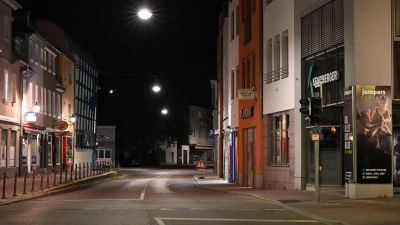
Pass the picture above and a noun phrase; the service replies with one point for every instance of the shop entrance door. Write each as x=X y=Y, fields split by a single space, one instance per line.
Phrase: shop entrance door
x=248 y=150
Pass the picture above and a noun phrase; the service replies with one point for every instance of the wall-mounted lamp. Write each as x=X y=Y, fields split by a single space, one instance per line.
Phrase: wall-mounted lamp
x=36 y=108
x=72 y=118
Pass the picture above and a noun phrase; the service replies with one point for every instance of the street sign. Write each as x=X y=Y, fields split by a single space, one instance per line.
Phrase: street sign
x=200 y=164
x=315 y=137
x=201 y=170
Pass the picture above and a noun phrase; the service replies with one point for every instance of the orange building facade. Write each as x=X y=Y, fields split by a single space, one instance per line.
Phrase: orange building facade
x=250 y=135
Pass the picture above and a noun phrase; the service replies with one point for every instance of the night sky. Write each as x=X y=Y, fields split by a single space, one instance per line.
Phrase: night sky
x=178 y=44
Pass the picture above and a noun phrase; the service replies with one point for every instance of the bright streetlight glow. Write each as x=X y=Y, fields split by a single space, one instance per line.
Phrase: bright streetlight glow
x=164 y=111
x=156 y=88
x=144 y=14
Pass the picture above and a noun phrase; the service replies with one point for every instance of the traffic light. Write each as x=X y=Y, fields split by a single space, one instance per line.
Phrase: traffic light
x=316 y=110
x=305 y=106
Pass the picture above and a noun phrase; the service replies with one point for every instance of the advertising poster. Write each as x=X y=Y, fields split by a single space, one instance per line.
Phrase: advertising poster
x=374 y=134
x=348 y=133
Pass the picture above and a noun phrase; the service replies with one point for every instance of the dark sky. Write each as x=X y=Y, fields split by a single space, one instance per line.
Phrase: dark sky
x=178 y=44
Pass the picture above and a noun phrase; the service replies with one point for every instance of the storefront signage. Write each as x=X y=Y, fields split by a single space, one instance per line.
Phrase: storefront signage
x=374 y=134
x=326 y=78
x=30 y=117
x=348 y=134
x=246 y=94
x=247 y=112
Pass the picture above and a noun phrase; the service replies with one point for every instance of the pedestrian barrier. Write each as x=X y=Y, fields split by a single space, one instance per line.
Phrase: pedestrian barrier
x=84 y=170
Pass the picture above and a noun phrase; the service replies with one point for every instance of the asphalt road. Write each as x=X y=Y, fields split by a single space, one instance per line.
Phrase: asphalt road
x=149 y=196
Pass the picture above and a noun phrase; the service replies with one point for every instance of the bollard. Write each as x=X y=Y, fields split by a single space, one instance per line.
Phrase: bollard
x=80 y=171
x=91 y=169
x=15 y=185
x=97 y=168
x=55 y=177
x=61 y=170
x=66 y=174
x=83 y=170
x=72 y=169
x=24 y=183
x=87 y=169
x=41 y=179
x=33 y=181
x=48 y=179
x=4 y=186
x=76 y=171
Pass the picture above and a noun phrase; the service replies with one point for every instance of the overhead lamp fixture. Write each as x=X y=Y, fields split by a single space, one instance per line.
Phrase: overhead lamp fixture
x=164 y=111
x=36 y=108
x=72 y=118
x=156 y=88
x=144 y=13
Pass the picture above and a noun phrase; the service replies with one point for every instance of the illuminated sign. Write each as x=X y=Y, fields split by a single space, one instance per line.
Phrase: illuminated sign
x=247 y=112
x=326 y=78
x=30 y=117
x=246 y=94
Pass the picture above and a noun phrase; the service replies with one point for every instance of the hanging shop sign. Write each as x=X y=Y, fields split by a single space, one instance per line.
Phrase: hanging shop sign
x=326 y=78
x=247 y=112
x=30 y=117
x=246 y=94
x=62 y=125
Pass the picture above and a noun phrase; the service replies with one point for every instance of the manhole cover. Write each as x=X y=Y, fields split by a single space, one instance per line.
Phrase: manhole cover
x=289 y=201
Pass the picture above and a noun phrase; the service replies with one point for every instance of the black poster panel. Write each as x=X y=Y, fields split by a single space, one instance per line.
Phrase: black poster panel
x=348 y=133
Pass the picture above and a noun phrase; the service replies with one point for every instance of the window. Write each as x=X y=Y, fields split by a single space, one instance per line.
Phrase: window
x=33 y=148
x=44 y=106
x=58 y=150
x=254 y=70
x=269 y=62
x=69 y=109
x=3 y=148
x=36 y=53
x=171 y=157
x=244 y=73
x=277 y=52
x=101 y=153
x=108 y=153
x=285 y=49
x=18 y=41
x=279 y=140
x=48 y=103
x=13 y=144
x=232 y=25
x=5 y=85
x=237 y=20
x=247 y=22
x=45 y=59
x=237 y=81
x=42 y=99
x=41 y=57
x=58 y=112
x=53 y=64
x=31 y=50
x=65 y=72
x=200 y=132
x=53 y=105
x=49 y=151
x=14 y=88
x=6 y=28
x=70 y=75
x=233 y=83
x=248 y=84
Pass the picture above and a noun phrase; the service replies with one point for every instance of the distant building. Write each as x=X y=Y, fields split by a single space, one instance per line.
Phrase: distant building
x=105 y=146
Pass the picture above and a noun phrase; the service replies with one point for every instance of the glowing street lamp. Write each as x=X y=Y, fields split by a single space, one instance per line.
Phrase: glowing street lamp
x=36 y=108
x=164 y=111
x=144 y=13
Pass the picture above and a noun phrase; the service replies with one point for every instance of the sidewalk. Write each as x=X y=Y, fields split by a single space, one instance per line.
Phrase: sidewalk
x=16 y=190
x=333 y=207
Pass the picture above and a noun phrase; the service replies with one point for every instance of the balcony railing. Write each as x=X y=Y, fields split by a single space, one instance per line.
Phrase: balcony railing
x=276 y=75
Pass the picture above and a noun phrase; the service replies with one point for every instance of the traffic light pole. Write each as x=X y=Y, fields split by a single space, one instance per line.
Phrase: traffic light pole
x=316 y=152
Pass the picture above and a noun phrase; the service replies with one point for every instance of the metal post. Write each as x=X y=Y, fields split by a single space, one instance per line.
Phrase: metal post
x=87 y=169
x=72 y=169
x=76 y=171
x=83 y=170
x=61 y=170
x=4 y=186
x=66 y=174
x=41 y=179
x=25 y=174
x=55 y=177
x=80 y=171
x=33 y=181
x=15 y=185
x=316 y=151
x=48 y=180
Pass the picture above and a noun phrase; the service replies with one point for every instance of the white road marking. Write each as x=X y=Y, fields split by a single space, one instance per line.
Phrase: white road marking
x=145 y=187
x=160 y=220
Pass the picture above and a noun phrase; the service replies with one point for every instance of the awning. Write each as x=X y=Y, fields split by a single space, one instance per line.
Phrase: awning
x=204 y=147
